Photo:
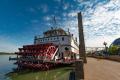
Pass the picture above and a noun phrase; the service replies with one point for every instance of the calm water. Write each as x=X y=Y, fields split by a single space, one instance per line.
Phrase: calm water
x=6 y=66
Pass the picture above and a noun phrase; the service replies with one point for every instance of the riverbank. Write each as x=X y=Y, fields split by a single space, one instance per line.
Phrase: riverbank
x=113 y=57
x=55 y=74
x=5 y=53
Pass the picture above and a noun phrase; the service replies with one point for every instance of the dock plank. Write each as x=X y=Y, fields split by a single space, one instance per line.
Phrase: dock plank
x=99 y=69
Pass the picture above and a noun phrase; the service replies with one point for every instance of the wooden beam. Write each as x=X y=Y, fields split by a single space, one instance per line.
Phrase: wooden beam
x=81 y=39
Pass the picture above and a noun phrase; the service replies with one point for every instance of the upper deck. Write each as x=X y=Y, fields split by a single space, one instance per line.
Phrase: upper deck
x=54 y=35
x=57 y=36
x=54 y=32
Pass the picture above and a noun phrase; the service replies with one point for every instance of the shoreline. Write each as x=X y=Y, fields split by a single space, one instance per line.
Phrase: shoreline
x=53 y=74
x=7 y=53
x=112 y=58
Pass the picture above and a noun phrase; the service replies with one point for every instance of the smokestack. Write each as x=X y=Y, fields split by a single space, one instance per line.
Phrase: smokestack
x=72 y=34
x=68 y=31
x=76 y=39
x=81 y=39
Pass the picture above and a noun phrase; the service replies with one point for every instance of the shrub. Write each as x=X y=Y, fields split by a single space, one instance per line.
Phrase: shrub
x=113 y=50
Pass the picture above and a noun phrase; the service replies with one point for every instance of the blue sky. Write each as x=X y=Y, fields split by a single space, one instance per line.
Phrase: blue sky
x=21 y=20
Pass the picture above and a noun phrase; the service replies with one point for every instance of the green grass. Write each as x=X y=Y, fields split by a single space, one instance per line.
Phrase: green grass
x=56 y=74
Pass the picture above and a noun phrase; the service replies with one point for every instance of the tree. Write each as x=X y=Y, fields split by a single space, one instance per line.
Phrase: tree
x=113 y=49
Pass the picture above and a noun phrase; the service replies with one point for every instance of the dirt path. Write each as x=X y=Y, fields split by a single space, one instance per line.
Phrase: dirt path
x=98 y=69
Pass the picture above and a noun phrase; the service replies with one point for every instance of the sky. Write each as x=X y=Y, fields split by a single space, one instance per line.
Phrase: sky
x=21 y=20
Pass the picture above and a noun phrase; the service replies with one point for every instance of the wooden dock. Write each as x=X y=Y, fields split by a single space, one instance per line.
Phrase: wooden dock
x=100 y=69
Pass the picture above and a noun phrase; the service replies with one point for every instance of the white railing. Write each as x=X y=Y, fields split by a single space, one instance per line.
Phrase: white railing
x=54 y=54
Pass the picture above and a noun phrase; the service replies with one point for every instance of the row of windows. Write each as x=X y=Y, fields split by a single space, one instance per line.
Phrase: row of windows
x=50 y=39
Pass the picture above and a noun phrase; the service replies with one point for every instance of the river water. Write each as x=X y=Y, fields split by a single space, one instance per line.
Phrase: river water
x=6 y=66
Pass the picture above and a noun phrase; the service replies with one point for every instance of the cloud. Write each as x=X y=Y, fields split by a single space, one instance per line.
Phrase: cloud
x=65 y=6
x=44 y=8
x=64 y=14
x=32 y=9
x=57 y=0
x=101 y=21
x=72 y=14
x=98 y=41
x=34 y=21
x=104 y=22
x=46 y=18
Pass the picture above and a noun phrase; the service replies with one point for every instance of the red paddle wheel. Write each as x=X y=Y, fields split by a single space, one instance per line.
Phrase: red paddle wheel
x=37 y=56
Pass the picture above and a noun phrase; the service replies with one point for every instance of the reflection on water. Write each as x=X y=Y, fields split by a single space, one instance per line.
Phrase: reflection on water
x=5 y=66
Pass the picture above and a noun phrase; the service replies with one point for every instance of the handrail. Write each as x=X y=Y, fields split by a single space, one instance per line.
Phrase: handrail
x=54 y=54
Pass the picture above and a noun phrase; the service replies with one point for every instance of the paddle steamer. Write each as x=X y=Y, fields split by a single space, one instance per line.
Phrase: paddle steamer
x=55 y=47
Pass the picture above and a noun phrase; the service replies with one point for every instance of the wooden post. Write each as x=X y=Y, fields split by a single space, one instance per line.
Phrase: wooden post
x=79 y=70
x=79 y=66
x=81 y=39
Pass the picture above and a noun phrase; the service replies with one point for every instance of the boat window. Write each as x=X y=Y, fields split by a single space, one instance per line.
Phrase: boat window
x=57 y=37
x=66 y=48
x=62 y=38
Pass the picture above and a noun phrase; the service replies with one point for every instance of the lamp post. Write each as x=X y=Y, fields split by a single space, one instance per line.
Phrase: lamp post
x=105 y=43
x=106 y=53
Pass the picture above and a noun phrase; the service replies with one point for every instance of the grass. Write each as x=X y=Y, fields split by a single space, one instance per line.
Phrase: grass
x=56 y=74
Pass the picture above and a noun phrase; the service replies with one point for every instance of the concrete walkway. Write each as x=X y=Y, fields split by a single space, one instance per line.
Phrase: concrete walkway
x=98 y=69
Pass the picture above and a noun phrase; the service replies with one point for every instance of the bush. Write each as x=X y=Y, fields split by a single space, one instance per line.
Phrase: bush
x=113 y=50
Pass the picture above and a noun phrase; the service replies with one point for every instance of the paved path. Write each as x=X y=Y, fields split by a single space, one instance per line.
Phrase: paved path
x=98 y=69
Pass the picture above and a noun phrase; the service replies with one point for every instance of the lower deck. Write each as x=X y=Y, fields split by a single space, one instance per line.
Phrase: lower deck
x=43 y=65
